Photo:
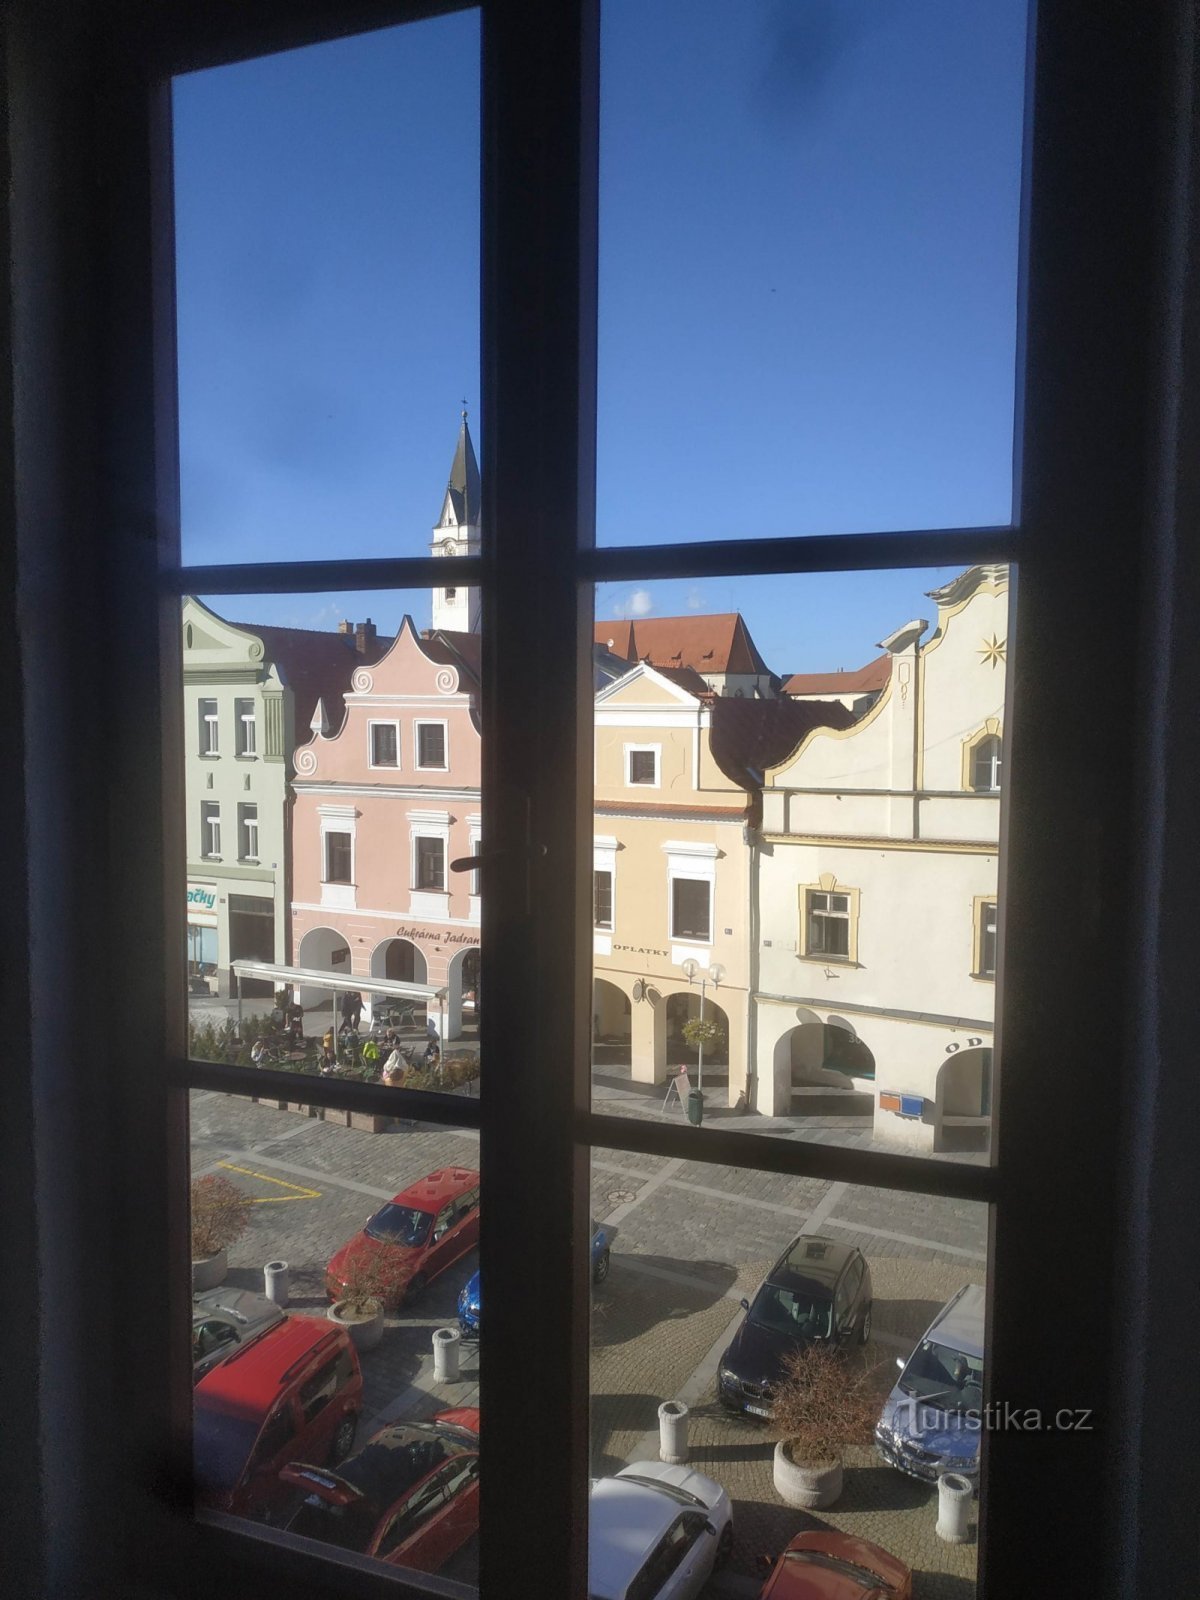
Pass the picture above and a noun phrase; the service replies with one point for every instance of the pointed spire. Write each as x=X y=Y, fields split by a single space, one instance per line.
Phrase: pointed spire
x=461 y=506
x=320 y=719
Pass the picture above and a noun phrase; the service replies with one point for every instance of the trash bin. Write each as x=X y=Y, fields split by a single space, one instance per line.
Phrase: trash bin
x=672 y=1432
x=955 y=1494
x=277 y=1282
x=695 y=1107
x=446 y=1343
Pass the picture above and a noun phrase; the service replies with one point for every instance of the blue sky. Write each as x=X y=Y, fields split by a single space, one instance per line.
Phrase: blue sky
x=807 y=309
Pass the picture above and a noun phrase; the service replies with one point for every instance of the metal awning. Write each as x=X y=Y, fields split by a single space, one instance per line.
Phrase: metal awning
x=316 y=978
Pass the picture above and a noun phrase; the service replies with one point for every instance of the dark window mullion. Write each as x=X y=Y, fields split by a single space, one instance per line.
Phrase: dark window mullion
x=794 y=1157
x=839 y=552
x=540 y=82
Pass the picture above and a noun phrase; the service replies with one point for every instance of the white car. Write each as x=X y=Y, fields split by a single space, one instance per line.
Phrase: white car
x=657 y=1532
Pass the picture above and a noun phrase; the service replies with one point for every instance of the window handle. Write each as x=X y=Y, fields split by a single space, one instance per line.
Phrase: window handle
x=529 y=852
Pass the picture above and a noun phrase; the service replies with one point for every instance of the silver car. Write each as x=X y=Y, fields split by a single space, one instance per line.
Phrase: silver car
x=932 y=1418
x=656 y=1533
x=222 y=1319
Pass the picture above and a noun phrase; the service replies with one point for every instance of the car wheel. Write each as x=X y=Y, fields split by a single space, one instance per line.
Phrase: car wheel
x=416 y=1288
x=600 y=1269
x=724 y=1547
x=343 y=1439
x=864 y=1333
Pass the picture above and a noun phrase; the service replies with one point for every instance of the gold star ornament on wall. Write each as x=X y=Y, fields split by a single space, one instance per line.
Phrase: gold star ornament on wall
x=993 y=651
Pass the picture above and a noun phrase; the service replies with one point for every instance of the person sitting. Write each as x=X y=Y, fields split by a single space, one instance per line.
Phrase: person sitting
x=370 y=1050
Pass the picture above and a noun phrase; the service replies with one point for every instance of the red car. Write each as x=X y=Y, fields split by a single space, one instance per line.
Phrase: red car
x=412 y=1239
x=295 y=1391
x=410 y=1497
x=835 y=1566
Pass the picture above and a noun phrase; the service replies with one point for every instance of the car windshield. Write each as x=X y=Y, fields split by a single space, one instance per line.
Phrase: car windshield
x=939 y=1375
x=221 y=1447
x=788 y=1311
x=394 y=1224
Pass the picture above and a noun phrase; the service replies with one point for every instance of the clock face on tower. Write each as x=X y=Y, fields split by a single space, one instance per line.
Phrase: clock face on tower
x=448 y=547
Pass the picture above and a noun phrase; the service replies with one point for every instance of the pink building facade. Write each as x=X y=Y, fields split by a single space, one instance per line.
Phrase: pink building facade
x=383 y=803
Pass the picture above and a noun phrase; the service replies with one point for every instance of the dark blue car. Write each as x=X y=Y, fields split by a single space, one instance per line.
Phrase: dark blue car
x=469 y=1302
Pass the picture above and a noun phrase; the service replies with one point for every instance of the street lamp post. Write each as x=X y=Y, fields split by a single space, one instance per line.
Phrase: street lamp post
x=713 y=975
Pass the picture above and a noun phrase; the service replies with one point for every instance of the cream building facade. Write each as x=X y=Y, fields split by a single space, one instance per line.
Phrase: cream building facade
x=670 y=884
x=875 y=876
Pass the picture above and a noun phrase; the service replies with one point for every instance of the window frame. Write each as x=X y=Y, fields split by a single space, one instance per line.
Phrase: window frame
x=983 y=907
x=247 y=824
x=419 y=725
x=209 y=727
x=210 y=830
x=245 y=748
x=828 y=885
x=382 y=722
x=653 y=750
x=1086 y=452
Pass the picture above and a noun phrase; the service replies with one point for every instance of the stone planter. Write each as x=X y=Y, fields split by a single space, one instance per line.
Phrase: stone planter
x=806 y=1487
x=367 y=1121
x=209 y=1271
x=364 y=1327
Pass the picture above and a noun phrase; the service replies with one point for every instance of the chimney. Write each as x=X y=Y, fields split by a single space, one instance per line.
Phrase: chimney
x=345 y=626
x=364 y=636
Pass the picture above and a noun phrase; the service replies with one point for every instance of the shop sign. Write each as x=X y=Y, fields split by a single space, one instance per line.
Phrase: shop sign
x=203 y=899
x=640 y=950
x=442 y=938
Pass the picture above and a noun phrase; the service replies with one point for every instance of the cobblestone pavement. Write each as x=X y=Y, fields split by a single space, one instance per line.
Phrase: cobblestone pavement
x=688 y=1241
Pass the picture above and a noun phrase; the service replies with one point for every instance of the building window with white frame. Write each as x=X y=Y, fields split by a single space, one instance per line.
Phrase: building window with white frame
x=827 y=924
x=641 y=765
x=248 y=832
x=245 y=728
x=385 y=744
x=210 y=830
x=339 y=857
x=430 y=864
x=986 y=761
x=985 y=938
x=431 y=745
x=691 y=909
x=209 y=728
x=602 y=899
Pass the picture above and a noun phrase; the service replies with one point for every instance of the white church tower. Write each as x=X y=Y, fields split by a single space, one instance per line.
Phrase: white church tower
x=457 y=534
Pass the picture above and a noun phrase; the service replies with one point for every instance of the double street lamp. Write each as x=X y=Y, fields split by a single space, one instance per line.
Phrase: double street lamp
x=692 y=969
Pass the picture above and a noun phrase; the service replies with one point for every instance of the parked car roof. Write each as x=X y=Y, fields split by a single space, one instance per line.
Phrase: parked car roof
x=960 y=1323
x=811 y=1260
x=437 y=1187
x=397 y=1457
x=248 y=1381
x=626 y=1520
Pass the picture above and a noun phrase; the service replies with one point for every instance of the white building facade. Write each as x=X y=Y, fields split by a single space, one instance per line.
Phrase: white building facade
x=876 y=886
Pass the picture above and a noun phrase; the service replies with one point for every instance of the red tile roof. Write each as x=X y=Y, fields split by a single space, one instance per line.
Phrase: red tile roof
x=707 y=644
x=315 y=666
x=863 y=680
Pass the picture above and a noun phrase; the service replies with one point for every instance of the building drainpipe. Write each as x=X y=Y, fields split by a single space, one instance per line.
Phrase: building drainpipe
x=918 y=708
x=753 y=837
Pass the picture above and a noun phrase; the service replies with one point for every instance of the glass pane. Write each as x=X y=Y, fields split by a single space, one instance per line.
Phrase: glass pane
x=717 y=1284
x=328 y=927
x=808 y=266
x=346 y=1428
x=798 y=938
x=327 y=247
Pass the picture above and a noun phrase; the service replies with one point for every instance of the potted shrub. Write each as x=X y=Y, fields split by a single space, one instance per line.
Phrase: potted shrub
x=369 y=1284
x=220 y=1216
x=823 y=1404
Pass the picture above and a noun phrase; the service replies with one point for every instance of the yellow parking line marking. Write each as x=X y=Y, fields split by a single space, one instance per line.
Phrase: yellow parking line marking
x=299 y=1193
